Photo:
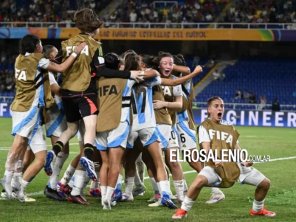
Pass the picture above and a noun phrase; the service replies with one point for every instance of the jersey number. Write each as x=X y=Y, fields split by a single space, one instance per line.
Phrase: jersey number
x=139 y=92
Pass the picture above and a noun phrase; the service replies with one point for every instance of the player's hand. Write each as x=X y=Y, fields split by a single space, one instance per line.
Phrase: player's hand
x=197 y=70
x=247 y=163
x=138 y=76
x=158 y=104
x=79 y=48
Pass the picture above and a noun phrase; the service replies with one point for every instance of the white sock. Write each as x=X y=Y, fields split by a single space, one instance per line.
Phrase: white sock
x=154 y=185
x=164 y=186
x=56 y=169
x=79 y=176
x=179 y=187
x=68 y=174
x=7 y=180
x=187 y=204
x=103 y=193
x=258 y=205
x=130 y=181
x=86 y=180
x=16 y=180
x=109 y=193
x=185 y=186
x=119 y=182
x=24 y=185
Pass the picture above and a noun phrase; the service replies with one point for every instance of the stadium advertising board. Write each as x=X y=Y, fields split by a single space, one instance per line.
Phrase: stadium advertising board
x=252 y=118
x=157 y=34
x=236 y=117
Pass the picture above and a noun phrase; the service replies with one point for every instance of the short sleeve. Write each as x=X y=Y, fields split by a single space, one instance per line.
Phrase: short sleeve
x=153 y=81
x=43 y=63
x=203 y=135
x=177 y=90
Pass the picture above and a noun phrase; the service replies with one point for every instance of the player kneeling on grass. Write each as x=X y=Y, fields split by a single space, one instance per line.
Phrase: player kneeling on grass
x=217 y=173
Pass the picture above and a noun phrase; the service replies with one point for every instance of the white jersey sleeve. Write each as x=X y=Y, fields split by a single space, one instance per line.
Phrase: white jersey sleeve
x=177 y=90
x=52 y=80
x=43 y=63
x=203 y=135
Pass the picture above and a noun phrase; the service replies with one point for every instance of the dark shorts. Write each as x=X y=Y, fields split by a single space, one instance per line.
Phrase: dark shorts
x=79 y=105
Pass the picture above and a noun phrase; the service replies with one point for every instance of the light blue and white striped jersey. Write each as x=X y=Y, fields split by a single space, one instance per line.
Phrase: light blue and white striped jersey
x=142 y=104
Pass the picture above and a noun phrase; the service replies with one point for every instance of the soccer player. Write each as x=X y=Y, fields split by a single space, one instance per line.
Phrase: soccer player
x=210 y=138
x=55 y=124
x=186 y=129
x=32 y=95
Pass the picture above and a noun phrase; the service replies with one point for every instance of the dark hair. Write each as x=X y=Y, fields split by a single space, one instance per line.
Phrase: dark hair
x=210 y=100
x=28 y=44
x=47 y=49
x=132 y=62
x=148 y=60
x=111 y=60
x=161 y=55
x=179 y=60
x=86 y=20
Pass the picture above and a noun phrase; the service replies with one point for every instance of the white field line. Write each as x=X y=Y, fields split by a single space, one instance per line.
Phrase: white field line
x=186 y=172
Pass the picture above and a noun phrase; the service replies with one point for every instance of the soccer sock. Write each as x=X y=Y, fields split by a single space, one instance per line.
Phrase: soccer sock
x=164 y=187
x=154 y=185
x=119 y=182
x=109 y=193
x=179 y=187
x=103 y=193
x=57 y=147
x=187 y=203
x=185 y=186
x=57 y=166
x=68 y=174
x=7 y=181
x=216 y=190
x=16 y=180
x=79 y=176
x=130 y=181
x=24 y=185
x=257 y=205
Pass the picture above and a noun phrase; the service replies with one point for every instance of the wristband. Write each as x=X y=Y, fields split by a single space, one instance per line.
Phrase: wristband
x=74 y=54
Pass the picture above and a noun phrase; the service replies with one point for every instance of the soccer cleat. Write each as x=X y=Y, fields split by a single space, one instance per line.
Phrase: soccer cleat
x=89 y=167
x=78 y=199
x=52 y=194
x=155 y=204
x=166 y=201
x=96 y=192
x=117 y=195
x=179 y=214
x=154 y=199
x=138 y=191
x=64 y=191
x=215 y=198
x=4 y=195
x=262 y=212
x=47 y=166
x=22 y=197
x=126 y=198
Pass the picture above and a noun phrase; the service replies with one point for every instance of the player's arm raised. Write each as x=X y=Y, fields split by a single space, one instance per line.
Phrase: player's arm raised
x=180 y=80
x=54 y=67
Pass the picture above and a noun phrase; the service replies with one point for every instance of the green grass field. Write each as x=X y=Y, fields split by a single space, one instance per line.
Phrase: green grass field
x=276 y=142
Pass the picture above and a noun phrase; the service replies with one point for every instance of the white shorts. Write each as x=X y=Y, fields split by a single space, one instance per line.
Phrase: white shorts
x=249 y=175
x=113 y=138
x=186 y=136
x=147 y=136
x=168 y=136
x=57 y=122
x=28 y=124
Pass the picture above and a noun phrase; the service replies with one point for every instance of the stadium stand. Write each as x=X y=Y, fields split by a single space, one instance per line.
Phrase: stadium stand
x=272 y=78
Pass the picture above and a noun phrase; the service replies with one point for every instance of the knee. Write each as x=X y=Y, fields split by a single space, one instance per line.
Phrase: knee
x=265 y=184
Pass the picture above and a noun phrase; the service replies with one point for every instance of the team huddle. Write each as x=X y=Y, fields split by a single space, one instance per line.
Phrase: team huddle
x=127 y=111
